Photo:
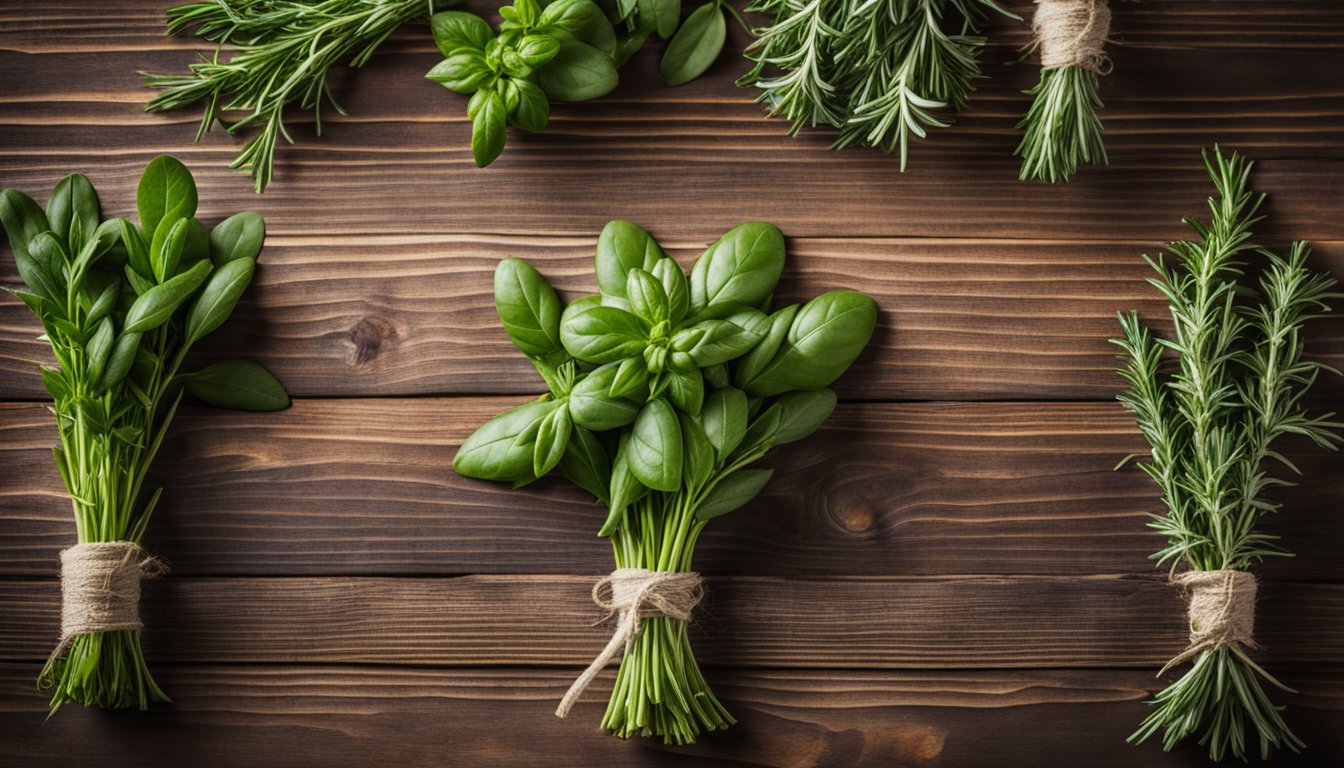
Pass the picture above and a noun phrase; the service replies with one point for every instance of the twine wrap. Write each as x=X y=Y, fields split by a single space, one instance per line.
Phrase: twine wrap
x=1072 y=33
x=100 y=588
x=634 y=594
x=1221 y=607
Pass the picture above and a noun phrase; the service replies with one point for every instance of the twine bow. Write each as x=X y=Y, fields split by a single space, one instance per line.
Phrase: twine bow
x=1072 y=33
x=1221 y=607
x=100 y=588
x=634 y=594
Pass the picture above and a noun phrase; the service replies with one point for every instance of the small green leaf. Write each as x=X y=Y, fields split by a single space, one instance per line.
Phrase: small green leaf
x=552 y=437
x=41 y=267
x=739 y=271
x=579 y=72
x=458 y=29
x=593 y=407
x=825 y=338
x=73 y=211
x=238 y=384
x=23 y=219
x=464 y=71
x=534 y=110
x=625 y=488
x=586 y=464
x=55 y=384
x=238 y=237
x=646 y=296
x=165 y=252
x=760 y=436
x=724 y=417
x=217 y=300
x=604 y=335
x=498 y=450
x=686 y=391
x=528 y=307
x=137 y=250
x=728 y=339
x=488 y=129
x=733 y=492
x=802 y=413
x=166 y=190
x=698 y=454
x=120 y=360
x=536 y=50
x=621 y=247
x=663 y=14
x=695 y=46
x=676 y=287
x=752 y=363
x=155 y=306
x=583 y=20
x=99 y=348
x=655 y=449
x=631 y=376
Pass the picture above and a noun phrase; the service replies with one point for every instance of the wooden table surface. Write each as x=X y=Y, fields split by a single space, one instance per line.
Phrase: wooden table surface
x=949 y=574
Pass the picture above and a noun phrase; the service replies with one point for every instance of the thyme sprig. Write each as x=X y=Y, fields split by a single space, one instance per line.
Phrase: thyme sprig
x=1212 y=417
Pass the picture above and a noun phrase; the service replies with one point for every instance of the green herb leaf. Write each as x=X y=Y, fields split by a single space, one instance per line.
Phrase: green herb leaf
x=593 y=407
x=166 y=190
x=695 y=46
x=686 y=390
x=238 y=237
x=73 y=211
x=646 y=296
x=528 y=307
x=41 y=267
x=698 y=453
x=165 y=252
x=826 y=336
x=155 y=306
x=494 y=452
x=579 y=72
x=655 y=447
x=99 y=348
x=454 y=30
x=604 y=335
x=241 y=385
x=728 y=339
x=464 y=71
x=739 y=271
x=120 y=360
x=487 y=128
x=626 y=489
x=632 y=375
x=621 y=247
x=581 y=19
x=217 y=300
x=534 y=110
x=23 y=220
x=662 y=14
x=802 y=413
x=724 y=417
x=733 y=492
x=552 y=437
x=586 y=464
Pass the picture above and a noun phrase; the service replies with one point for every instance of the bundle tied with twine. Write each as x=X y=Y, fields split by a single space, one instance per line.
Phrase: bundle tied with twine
x=1072 y=33
x=1221 y=609
x=632 y=595
x=100 y=588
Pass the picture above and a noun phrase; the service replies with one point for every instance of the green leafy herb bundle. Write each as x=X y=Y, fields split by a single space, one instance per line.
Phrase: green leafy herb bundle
x=879 y=72
x=664 y=390
x=281 y=52
x=1213 y=416
x=121 y=305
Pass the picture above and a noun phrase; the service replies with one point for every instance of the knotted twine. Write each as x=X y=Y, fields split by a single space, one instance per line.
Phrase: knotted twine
x=1221 y=608
x=634 y=594
x=1072 y=33
x=100 y=588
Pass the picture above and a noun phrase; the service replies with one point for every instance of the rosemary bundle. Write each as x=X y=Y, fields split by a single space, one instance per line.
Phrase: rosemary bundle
x=281 y=52
x=664 y=390
x=121 y=306
x=1062 y=128
x=1212 y=416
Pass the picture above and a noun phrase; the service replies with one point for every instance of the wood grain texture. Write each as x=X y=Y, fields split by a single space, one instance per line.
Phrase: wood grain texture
x=837 y=622
x=959 y=319
x=366 y=487
x=285 y=717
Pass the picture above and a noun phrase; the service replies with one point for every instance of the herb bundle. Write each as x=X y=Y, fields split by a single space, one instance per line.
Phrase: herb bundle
x=121 y=305
x=283 y=50
x=1212 y=417
x=664 y=390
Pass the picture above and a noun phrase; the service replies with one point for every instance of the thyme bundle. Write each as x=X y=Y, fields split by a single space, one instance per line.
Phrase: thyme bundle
x=121 y=305
x=1213 y=416
x=664 y=390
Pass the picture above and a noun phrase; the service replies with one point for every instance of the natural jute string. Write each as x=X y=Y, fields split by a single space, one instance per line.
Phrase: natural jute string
x=1072 y=33
x=1221 y=607
x=634 y=594
x=100 y=588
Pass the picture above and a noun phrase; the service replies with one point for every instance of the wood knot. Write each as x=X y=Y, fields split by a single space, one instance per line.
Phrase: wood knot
x=854 y=518
x=368 y=337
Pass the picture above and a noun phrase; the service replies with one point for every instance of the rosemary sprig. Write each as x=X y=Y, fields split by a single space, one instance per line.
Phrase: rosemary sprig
x=1062 y=127
x=1211 y=420
x=878 y=71
x=282 y=52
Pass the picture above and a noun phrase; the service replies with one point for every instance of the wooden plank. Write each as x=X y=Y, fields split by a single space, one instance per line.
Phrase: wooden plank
x=650 y=153
x=287 y=716
x=960 y=319
x=366 y=487
x=920 y=623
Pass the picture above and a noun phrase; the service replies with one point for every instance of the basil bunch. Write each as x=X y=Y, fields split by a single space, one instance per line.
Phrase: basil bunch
x=121 y=305
x=567 y=51
x=664 y=388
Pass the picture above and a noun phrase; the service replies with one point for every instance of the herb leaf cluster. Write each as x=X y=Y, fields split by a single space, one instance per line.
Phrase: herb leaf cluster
x=121 y=305
x=1212 y=401
x=664 y=388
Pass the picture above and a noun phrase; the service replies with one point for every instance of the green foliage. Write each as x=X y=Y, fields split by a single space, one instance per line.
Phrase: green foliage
x=121 y=306
x=1062 y=127
x=1212 y=401
x=639 y=377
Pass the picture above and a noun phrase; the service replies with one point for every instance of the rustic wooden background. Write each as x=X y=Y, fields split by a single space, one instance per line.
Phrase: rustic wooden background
x=950 y=574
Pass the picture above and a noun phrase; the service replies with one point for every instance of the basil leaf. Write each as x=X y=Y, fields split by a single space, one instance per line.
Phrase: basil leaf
x=487 y=129
x=165 y=251
x=241 y=385
x=528 y=307
x=137 y=250
x=760 y=436
x=646 y=296
x=238 y=237
x=631 y=376
x=120 y=360
x=592 y=405
x=621 y=247
x=625 y=487
x=733 y=492
x=73 y=211
x=698 y=453
x=728 y=339
x=583 y=20
x=218 y=298
x=494 y=452
x=536 y=50
x=98 y=349
x=23 y=220
x=166 y=190
x=552 y=437
x=655 y=449
x=686 y=391
x=604 y=335
x=55 y=384
x=662 y=14
x=579 y=72
x=107 y=297
x=534 y=110
x=695 y=46
x=43 y=266
x=585 y=463
x=738 y=271
x=629 y=45
x=825 y=337
x=673 y=280
x=802 y=413
x=751 y=364
x=156 y=305
x=462 y=72
x=724 y=417
x=515 y=66
x=453 y=30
